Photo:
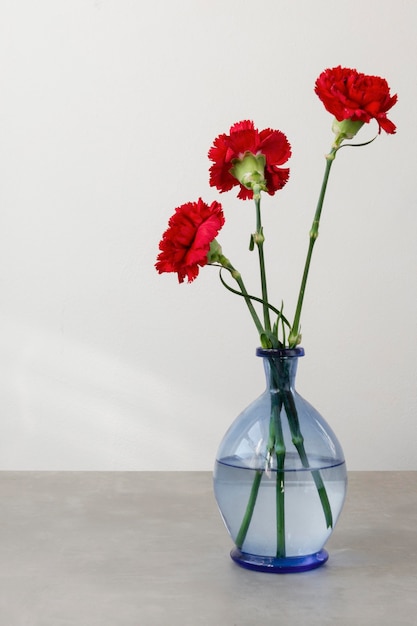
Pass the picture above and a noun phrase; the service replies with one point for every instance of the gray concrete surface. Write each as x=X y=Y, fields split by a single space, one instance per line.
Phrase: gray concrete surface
x=149 y=549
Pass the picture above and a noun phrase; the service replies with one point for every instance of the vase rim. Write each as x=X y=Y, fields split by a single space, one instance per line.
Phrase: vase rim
x=280 y=352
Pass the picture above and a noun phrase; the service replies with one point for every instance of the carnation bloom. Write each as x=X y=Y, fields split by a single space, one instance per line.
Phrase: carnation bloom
x=186 y=242
x=350 y=95
x=270 y=149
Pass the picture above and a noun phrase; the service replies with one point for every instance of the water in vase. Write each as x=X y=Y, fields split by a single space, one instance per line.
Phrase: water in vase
x=305 y=525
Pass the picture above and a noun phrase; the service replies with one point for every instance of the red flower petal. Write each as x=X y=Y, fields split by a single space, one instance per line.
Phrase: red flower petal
x=186 y=242
x=348 y=94
x=274 y=145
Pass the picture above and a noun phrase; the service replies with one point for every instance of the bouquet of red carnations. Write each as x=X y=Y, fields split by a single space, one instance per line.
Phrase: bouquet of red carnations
x=253 y=161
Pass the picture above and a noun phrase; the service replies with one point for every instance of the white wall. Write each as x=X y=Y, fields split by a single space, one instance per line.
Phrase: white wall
x=107 y=111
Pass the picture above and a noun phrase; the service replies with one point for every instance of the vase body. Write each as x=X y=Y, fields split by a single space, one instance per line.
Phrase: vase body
x=280 y=476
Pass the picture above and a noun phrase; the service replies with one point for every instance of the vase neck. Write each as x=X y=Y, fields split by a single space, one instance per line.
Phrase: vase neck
x=280 y=368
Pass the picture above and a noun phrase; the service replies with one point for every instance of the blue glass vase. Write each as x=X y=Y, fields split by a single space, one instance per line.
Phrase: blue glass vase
x=280 y=476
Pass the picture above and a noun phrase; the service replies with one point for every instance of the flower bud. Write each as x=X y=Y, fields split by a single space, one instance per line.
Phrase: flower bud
x=250 y=170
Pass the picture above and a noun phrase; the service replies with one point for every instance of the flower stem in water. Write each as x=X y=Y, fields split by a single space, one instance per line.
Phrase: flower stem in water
x=280 y=451
x=298 y=441
x=241 y=536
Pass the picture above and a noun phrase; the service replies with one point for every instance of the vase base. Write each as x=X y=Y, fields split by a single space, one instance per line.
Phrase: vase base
x=286 y=565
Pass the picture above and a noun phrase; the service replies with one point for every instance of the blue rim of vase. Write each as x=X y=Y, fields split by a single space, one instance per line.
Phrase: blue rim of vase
x=280 y=352
x=285 y=565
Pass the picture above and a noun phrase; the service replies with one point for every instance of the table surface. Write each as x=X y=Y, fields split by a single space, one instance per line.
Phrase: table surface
x=150 y=549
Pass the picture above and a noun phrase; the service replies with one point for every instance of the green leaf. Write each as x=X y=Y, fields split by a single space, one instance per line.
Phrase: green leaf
x=255 y=299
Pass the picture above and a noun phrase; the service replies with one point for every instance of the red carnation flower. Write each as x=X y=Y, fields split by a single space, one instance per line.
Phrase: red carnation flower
x=186 y=242
x=244 y=138
x=347 y=94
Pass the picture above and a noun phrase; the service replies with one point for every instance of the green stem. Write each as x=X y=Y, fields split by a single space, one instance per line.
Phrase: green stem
x=275 y=445
x=259 y=240
x=238 y=278
x=279 y=448
x=294 y=337
x=282 y=383
x=241 y=536
x=298 y=441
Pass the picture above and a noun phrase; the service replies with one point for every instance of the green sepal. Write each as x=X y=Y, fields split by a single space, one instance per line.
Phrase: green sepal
x=250 y=171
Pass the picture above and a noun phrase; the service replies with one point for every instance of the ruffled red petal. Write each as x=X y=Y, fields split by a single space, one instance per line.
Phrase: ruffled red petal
x=186 y=242
x=348 y=94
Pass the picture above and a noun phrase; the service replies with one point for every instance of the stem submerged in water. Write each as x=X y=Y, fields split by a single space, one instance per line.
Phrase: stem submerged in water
x=247 y=518
x=298 y=441
x=280 y=451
